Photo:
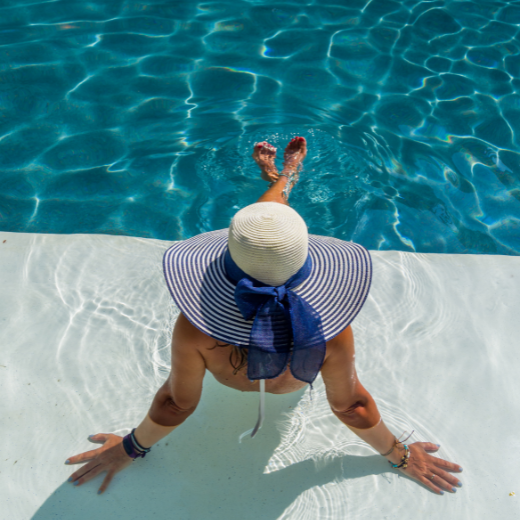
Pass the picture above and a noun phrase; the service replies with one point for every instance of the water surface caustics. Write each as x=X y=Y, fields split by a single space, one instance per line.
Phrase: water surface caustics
x=139 y=118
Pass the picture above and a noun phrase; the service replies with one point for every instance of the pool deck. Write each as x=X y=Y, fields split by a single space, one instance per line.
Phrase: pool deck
x=85 y=323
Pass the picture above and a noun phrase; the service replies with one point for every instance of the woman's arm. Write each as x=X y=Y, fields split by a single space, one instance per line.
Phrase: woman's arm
x=176 y=400
x=356 y=408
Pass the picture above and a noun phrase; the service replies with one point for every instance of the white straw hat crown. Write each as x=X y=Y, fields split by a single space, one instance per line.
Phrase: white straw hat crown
x=195 y=272
x=269 y=242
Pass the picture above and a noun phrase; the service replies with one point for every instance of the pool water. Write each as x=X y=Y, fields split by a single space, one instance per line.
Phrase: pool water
x=139 y=118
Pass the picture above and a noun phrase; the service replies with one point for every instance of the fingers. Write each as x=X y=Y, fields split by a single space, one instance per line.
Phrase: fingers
x=106 y=482
x=444 y=464
x=438 y=481
x=84 y=457
x=83 y=471
x=89 y=475
x=99 y=438
x=452 y=482
x=430 y=485
x=428 y=446
x=431 y=471
x=111 y=459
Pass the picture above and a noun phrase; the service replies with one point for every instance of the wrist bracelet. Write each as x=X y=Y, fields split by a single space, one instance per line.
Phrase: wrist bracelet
x=132 y=447
x=284 y=175
x=396 y=442
x=404 y=459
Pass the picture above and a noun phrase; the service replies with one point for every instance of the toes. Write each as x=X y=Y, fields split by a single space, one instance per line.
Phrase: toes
x=293 y=145
x=297 y=143
x=269 y=149
x=265 y=147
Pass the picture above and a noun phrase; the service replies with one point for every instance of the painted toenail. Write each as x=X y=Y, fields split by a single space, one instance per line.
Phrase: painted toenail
x=460 y=469
x=442 y=492
x=459 y=484
x=67 y=461
x=69 y=479
x=76 y=483
x=454 y=490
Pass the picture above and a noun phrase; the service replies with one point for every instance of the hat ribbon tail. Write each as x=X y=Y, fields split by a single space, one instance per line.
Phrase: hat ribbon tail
x=261 y=414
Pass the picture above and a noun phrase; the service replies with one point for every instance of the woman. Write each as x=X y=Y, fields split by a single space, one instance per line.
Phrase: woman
x=264 y=306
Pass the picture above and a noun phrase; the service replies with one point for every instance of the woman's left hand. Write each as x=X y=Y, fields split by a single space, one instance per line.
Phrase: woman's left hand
x=431 y=471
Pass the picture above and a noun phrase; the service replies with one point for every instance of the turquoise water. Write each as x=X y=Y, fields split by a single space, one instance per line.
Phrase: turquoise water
x=139 y=118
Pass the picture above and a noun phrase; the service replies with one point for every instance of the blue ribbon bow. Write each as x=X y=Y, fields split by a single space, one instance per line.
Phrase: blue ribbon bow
x=282 y=319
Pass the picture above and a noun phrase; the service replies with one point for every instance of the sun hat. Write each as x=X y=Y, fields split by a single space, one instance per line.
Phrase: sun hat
x=265 y=284
x=269 y=242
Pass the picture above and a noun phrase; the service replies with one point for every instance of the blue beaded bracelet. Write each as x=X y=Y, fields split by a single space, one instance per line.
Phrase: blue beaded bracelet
x=404 y=459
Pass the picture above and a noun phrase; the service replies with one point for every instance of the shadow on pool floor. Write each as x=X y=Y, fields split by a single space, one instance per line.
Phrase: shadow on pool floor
x=204 y=472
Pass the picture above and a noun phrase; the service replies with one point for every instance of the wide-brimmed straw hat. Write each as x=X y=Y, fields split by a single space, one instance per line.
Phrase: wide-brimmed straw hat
x=269 y=242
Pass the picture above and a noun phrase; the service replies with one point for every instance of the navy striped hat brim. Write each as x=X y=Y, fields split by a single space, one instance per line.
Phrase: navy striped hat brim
x=194 y=270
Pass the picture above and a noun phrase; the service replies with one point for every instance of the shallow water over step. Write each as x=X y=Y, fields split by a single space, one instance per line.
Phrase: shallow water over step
x=86 y=323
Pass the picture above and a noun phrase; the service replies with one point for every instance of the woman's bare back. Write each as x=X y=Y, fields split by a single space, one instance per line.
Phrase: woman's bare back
x=218 y=363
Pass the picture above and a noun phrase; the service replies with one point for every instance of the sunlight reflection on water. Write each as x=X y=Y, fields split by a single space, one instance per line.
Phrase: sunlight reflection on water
x=139 y=119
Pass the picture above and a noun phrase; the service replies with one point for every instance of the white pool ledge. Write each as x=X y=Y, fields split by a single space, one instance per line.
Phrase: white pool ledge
x=84 y=344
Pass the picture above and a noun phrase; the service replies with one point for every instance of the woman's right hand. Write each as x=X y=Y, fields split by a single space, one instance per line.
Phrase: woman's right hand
x=111 y=457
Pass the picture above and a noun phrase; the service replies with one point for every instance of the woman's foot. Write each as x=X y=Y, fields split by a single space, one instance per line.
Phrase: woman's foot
x=264 y=155
x=294 y=155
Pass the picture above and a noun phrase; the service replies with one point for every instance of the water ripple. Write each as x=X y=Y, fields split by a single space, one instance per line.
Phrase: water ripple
x=139 y=119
